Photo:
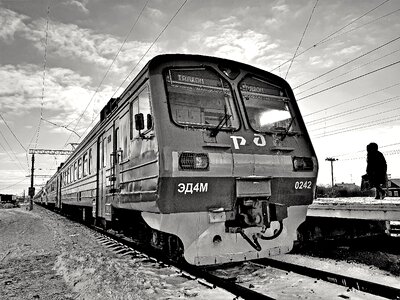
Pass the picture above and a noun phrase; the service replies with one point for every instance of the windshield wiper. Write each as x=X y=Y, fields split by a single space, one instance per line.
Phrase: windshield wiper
x=284 y=135
x=223 y=121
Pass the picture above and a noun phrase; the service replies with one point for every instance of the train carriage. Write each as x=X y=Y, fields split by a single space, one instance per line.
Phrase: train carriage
x=201 y=154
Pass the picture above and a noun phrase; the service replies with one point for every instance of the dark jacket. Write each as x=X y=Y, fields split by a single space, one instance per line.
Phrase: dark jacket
x=376 y=165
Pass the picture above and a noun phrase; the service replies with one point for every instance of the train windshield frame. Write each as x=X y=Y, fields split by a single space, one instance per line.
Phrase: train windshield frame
x=200 y=97
x=266 y=104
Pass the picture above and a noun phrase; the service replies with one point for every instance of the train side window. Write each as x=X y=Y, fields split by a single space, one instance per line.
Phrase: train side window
x=90 y=161
x=144 y=108
x=124 y=125
x=103 y=154
x=75 y=171
x=79 y=168
x=133 y=110
x=85 y=165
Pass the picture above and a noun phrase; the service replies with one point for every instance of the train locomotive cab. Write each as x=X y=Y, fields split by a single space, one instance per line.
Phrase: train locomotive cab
x=237 y=169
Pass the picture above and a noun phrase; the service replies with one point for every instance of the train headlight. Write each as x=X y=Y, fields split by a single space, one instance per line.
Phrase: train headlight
x=193 y=161
x=303 y=163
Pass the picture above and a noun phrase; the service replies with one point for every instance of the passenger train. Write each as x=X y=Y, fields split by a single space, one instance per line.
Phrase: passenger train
x=202 y=157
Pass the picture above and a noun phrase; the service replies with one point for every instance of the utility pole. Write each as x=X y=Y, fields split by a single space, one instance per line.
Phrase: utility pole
x=331 y=159
x=31 y=190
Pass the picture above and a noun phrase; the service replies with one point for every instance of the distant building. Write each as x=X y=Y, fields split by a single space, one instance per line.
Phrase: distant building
x=393 y=187
x=347 y=186
x=7 y=198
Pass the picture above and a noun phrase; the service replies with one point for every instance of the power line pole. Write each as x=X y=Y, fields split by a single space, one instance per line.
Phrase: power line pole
x=331 y=159
x=31 y=190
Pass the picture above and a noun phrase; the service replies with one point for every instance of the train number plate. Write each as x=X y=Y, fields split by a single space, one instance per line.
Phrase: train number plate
x=303 y=185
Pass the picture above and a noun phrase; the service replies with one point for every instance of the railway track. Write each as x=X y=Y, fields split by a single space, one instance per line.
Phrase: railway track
x=215 y=276
x=206 y=276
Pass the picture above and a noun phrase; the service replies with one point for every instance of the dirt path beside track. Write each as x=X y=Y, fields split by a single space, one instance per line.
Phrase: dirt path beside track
x=45 y=256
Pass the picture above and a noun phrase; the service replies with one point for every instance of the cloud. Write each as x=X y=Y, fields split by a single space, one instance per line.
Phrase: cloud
x=280 y=7
x=10 y=23
x=240 y=45
x=74 y=43
x=81 y=5
x=349 y=50
x=65 y=90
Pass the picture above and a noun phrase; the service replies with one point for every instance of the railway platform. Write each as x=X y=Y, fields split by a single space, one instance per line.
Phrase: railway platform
x=365 y=208
x=351 y=217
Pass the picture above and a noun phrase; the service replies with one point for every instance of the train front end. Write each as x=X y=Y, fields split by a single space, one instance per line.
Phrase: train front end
x=237 y=167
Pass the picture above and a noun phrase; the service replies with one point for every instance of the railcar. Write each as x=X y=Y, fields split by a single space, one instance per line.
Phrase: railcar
x=202 y=157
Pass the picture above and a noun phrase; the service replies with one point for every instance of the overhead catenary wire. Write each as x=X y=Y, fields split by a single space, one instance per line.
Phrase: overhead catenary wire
x=331 y=35
x=386 y=153
x=114 y=59
x=12 y=132
x=348 y=62
x=351 y=111
x=43 y=76
x=108 y=70
x=61 y=126
x=15 y=158
x=348 y=72
x=143 y=56
x=349 y=80
x=351 y=100
x=14 y=184
x=151 y=46
x=358 y=126
x=356 y=119
x=302 y=37
x=352 y=153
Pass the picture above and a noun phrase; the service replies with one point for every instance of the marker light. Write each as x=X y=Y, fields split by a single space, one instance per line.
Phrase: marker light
x=193 y=161
x=303 y=163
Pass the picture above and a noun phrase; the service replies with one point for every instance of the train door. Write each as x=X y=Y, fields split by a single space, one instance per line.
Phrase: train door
x=101 y=182
x=59 y=186
x=115 y=159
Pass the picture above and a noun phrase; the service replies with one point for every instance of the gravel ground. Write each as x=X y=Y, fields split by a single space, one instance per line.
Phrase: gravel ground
x=382 y=252
x=45 y=256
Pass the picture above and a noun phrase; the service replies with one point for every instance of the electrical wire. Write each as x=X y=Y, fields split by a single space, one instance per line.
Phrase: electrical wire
x=357 y=119
x=108 y=70
x=351 y=100
x=12 y=185
x=151 y=46
x=140 y=60
x=15 y=158
x=348 y=62
x=61 y=126
x=302 y=37
x=357 y=127
x=330 y=35
x=351 y=111
x=347 y=81
x=44 y=76
x=362 y=25
x=348 y=72
x=12 y=132
x=351 y=153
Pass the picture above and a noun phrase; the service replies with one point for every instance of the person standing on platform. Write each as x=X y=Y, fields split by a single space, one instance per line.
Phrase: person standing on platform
x=376 y=169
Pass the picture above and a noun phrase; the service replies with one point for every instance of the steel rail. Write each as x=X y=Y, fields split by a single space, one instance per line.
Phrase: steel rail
x=343 y=280
x=187 y=270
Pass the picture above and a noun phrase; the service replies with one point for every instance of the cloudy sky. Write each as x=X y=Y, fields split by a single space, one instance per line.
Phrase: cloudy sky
x=61 y=60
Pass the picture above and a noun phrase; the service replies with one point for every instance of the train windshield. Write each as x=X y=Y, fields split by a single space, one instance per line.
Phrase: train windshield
x=266 y=105
x=200 y=97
